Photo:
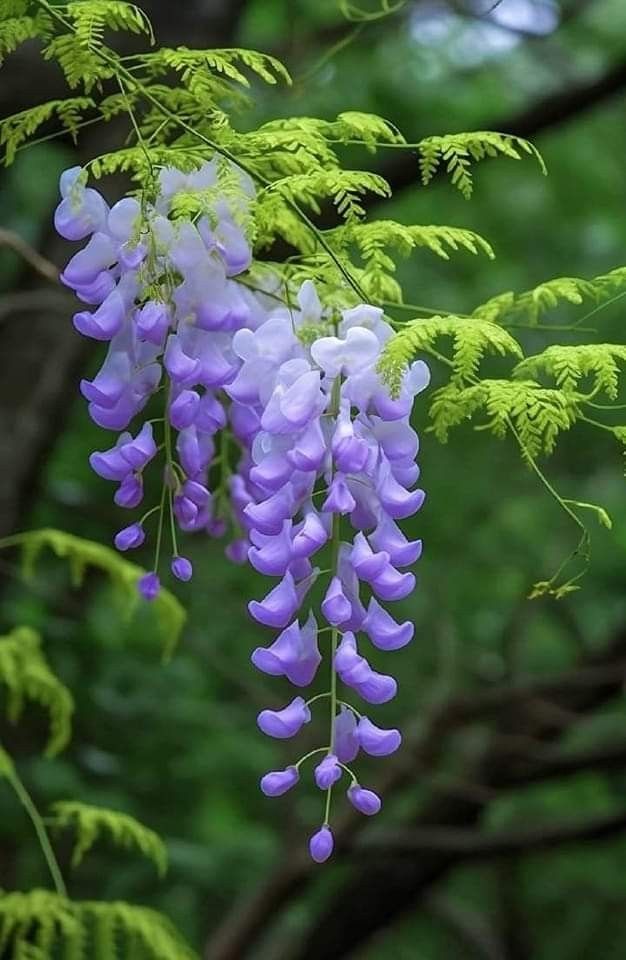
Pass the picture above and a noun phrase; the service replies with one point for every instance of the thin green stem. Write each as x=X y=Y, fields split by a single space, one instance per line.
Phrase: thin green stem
x=349 y=772
x=24 y=797
x=601 y=306
x=307 y=756
x=418 y=308
x=148 y=513
x=597 y=423
x=318 y=696
x=157 y=551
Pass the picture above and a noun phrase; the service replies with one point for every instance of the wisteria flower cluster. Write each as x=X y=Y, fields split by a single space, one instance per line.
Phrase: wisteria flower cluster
x=325 y=455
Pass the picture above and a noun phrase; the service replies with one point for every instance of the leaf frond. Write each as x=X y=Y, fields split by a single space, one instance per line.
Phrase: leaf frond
x=472 y=339
x=532 y=304
x=568 y=365
x=458 y=151
x=26 y=674
x=83 y=555
x=91 y=822
x=538 y=414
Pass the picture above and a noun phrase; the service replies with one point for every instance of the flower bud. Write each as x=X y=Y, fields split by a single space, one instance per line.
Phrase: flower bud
x=321 y=845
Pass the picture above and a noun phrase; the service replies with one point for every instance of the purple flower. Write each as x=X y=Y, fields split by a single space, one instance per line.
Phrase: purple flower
x=272 y=554
x=383 y=630
x=182 y=568
x=149 y=586
x=305 y=420
x=390 y=584
x=279 y=606
x=237 y=551
x=294 y=654
x=321 y=845
x=365 y=801
x=339 y=499
x=286 y=722
x=346 y=741
x=152 y=322
x=376 y=741
x=310 y=537
x=388 y=537
x=184 y=408
x=335 y=605
x=368 y=565
x=130 y=537
x=129 y=494
x=327 y=772
x=277 y=782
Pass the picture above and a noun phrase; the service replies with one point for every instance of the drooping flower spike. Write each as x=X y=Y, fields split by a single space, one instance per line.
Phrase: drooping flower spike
x=330 y=470
x=326 y=456
x=160 y=292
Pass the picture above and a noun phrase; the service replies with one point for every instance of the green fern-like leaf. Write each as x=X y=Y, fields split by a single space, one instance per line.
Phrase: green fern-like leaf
x=16 y=27
x=123 y=575
x=153 y=935
x=376 y=243
x=537 y=414
x=90 y=18
x=26 y=674
x=344 y=187
x=210 y=74
x=23 y=914
x=570 y=364
x=456 y=152
x=532 y=304
x=20 y=127
x=81 y=66
x=472 y=339
x=92 y=822
x=85 y=930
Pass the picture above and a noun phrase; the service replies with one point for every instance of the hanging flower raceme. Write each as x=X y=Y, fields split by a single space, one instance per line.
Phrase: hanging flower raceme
x=326 y=456
x=160 y=291
x=329 y=468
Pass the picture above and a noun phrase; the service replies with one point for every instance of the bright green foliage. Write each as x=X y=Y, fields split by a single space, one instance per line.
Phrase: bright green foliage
x=91 y=822
x=197 y=67
x=83 y=555
x=458 y=151
x=26 y=674
x=343 y=187
x=17 y=129
x=570 y=364
x=472 y=339
x=16 y=26
x=536 y=415
x=376 y=242
x=531 y=304
x=90 y=18
x=80 y=65
x=41 y=914
x=85 y=930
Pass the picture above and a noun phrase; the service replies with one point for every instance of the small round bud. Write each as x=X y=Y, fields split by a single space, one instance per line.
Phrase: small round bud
x=130 y=537
x=277 y=782
x=321 y=845
x=365 y=801
x=149 y=586
x=182 y=568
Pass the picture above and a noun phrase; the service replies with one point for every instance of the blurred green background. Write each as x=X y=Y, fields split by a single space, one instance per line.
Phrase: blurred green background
x=176 y=744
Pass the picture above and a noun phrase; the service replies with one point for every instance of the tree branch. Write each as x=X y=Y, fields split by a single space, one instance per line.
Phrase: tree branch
x=43 y=266
x=469 y=845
